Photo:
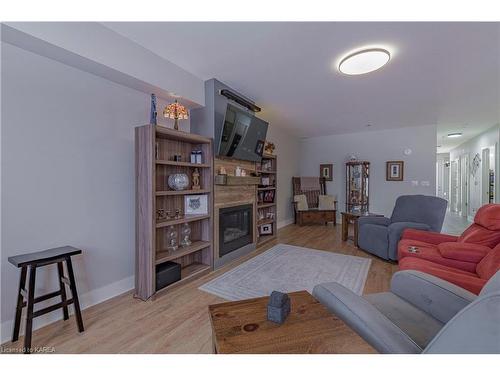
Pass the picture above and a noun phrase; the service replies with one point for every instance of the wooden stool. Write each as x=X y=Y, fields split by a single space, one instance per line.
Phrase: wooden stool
x=33 y=261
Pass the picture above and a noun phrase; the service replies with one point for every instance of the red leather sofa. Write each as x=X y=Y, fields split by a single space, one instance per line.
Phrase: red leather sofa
x=468 y=260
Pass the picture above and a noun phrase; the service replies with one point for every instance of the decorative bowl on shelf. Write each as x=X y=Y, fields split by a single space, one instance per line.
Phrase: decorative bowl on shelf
x=178 y=181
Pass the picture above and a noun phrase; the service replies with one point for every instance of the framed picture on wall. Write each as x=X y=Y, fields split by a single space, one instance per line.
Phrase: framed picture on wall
x=326 y=171
x=394 y=170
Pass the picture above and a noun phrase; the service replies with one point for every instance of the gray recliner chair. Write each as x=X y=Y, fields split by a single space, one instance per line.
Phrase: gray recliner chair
x=380 y=235
x=420 y=314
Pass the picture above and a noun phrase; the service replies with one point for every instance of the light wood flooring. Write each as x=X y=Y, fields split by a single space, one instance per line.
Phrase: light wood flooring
x=177 y=321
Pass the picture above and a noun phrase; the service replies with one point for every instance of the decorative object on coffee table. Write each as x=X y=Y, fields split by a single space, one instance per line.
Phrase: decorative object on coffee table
x=357 y=187
x=34 y=261
x=176 y=112
x=326 y=171
x=242 y=327
x=278 y=307
x=178 y=181
x=394 y=170
x=352 y=218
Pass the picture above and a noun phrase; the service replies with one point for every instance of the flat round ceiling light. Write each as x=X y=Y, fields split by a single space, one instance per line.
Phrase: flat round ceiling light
x=364 y=61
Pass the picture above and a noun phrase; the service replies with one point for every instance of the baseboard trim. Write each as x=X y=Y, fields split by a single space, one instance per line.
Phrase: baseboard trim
x=87 y=299
x=284 y=223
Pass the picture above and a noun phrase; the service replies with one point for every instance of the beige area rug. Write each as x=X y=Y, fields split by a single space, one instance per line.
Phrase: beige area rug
x=288 y=268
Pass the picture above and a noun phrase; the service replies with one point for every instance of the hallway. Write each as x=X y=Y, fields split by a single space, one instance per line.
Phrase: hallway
x=454 y=223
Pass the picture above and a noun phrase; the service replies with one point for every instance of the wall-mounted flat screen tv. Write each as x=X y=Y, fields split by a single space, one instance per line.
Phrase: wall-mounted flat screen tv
x=243 y=135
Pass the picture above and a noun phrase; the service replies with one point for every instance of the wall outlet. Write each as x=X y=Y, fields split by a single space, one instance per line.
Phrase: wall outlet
x=414 y=183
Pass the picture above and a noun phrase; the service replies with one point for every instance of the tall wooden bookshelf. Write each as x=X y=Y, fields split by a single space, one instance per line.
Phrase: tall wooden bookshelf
x=268 y=169
x=155 y=147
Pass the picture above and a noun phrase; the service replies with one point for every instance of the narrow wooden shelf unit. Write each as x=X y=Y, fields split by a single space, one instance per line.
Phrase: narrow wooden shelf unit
x=267 y=212
x=155 y=148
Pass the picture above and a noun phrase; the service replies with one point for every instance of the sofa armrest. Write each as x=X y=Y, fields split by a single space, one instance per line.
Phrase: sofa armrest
x=426 y=236
x=466 y=252
x=365 y=319
x=396 y=231
x=377 y=220
x=438 y=298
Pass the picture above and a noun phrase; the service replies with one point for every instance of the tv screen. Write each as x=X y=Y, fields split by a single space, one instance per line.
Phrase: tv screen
x=243 y=135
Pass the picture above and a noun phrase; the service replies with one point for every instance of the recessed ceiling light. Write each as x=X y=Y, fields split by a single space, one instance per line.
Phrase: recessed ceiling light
x=364 y=61
x=454 y=135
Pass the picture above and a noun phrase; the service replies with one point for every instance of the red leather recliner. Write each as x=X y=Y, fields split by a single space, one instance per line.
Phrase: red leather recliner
x=456 y=259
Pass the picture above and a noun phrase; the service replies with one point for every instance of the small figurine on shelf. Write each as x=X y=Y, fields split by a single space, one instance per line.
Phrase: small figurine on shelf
x=185 y=233
x=269 y=148
x=172 y=238
x=243 y=173
x=278 y=307
x=153 y=114
x=237 y=171
x=196 y=180
x=222 y=171
x=177 y=214
x=161 y=214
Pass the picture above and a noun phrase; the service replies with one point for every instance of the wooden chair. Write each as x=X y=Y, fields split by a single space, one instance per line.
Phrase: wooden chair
x=313 y=215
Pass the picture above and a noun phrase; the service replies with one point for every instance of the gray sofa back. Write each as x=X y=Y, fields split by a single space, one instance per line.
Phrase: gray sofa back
x=420 y=209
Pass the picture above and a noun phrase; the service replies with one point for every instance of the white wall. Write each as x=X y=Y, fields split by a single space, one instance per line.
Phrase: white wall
x=67 y=174
x=376 y=147
x=487 y=139
x=287 y=146
x=96 y=49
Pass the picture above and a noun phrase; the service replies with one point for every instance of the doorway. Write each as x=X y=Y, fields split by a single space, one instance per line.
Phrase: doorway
x=454 y=187
x=464 y=185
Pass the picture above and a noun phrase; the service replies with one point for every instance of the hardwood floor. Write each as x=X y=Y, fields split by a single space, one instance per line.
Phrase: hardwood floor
x=177 y=321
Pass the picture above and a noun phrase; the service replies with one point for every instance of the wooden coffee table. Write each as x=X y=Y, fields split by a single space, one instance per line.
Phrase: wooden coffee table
x=242 y=327
x=352 y=218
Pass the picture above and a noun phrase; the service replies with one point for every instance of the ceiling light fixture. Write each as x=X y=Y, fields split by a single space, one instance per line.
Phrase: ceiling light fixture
x=364 y=61
x=454 y=135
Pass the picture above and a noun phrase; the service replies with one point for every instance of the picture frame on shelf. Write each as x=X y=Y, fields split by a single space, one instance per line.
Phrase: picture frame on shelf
x=259 y=148
x=265 y=181
x=266 y=230
x=394 y=170
x=269 y=196
x=326 y=171
x=196 y=204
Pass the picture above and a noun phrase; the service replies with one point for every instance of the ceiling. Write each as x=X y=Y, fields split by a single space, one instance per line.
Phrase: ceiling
x=446 y=74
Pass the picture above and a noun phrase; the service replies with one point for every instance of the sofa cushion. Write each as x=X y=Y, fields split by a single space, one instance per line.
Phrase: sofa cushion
x=421 y=327
x=468 y=252
x=301 y=202
x=488 y=216
x=430 y=252
x=480 y=235
x=326 y=202
x=490 y=264
x=467 y=280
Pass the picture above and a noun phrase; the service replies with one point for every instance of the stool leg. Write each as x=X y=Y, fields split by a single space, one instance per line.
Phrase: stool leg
x=19 y=305
x=62 y=287
x=29 y=314
x=76 y=303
